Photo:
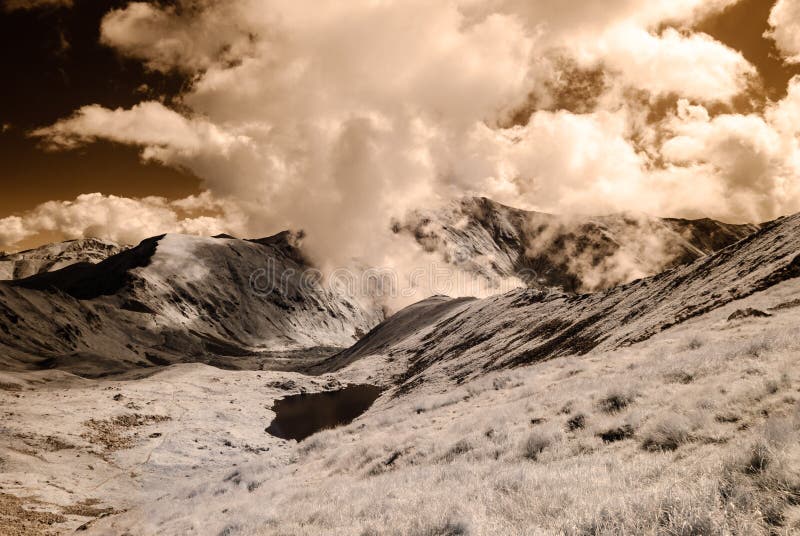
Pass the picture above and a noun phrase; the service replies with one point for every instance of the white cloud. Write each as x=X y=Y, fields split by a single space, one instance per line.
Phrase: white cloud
x=784 y=20
x=150 y=124
x=123 y=220
x=335 y=116
x=189 y=39
x=696 y=66
x=750 y=164
x=12 y=230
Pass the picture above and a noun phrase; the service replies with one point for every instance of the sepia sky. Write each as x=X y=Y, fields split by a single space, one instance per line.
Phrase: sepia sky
x=129 y=119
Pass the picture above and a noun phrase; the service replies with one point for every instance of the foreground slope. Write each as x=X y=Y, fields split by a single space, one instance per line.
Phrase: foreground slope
x=526 y=326
x=652 y=408
x=577 y=253
x=175 y=298
x=694 y=431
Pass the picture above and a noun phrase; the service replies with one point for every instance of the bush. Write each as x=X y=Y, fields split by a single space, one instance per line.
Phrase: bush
x=772 y=386
x=615 y=401
x=536 y=443
x=759 y=457
x=666 y=433
x=576 y=422
x=461 y=447
x=757 y=347
x=693 y=343
x=679 y=376
x=617 y=433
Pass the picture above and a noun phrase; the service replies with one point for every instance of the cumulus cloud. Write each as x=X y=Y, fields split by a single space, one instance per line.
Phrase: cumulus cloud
x=784 y=20
x=333 y=117
x=749 y=164
x=191 y=38
x=12 y=230
x=123 y=220
x=694 y=66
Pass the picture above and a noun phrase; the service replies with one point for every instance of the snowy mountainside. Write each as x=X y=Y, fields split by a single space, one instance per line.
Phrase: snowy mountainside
x=530 y=325
x=570 y=253
x=175 y=298
x=55 y=256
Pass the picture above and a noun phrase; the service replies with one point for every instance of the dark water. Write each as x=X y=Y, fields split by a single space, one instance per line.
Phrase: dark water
x=299 y=416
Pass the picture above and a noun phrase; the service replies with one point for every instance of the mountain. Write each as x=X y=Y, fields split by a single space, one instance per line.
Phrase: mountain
x=56 y=256
x=94 y=308
x=575 y=254
x=176 y=298
x=460 y=339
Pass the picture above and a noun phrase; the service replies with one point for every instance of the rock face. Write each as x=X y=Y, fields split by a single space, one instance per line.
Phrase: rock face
x=56 y=256
x=175 y=298
x=462 y=339
x=575 y=254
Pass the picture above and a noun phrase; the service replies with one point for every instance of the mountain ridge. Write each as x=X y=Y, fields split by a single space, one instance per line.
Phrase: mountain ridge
x=525 y=326
x=574 y=253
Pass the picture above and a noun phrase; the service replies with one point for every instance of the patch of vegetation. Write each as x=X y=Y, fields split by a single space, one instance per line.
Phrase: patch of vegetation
x=536 y=443
x=666 y=433
x=616 y=400
x=112 y=433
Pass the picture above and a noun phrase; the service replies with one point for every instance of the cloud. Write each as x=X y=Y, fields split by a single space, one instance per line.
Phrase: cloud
x=165 y=37
x=784 y=20
x=13 y=5
x=150 y=124
x=695 y=66
x=123 y=220
x=333 y=117
x=12 y=230
x=749 y=164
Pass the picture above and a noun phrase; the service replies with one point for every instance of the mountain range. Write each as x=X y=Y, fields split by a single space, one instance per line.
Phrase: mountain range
x=96 y=308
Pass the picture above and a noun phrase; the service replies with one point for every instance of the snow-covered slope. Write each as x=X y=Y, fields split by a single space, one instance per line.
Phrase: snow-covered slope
x=175 y=298
x=529 y=325
x=570 y=253
x=52 y=257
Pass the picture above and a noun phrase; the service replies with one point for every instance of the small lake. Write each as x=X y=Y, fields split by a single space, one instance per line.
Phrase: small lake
x=299 y=416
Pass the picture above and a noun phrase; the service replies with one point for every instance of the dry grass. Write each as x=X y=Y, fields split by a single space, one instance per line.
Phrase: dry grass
x=678 y=436
x=667 y=432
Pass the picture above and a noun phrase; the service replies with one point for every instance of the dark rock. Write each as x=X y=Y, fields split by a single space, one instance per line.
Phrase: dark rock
x=747 y=313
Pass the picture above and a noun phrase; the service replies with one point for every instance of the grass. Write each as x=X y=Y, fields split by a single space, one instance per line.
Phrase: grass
x=623 y=447
x=666 y=432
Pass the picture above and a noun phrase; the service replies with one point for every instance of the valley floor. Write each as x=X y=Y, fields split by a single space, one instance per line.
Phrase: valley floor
x=696 y=431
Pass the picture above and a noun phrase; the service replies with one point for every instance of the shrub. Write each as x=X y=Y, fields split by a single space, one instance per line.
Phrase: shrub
x=694 y=343
x=462 y=446
x=449 y=527
x=615 y=401
x=759 y=457
x=576 y=422
x=757 y=347
x=617 y=433
x=771 y=386
x=679 y=376
x=536 y=443
x=666 y=433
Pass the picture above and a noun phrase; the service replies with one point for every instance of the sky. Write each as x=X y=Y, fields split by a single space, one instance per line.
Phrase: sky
x=125 y=120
